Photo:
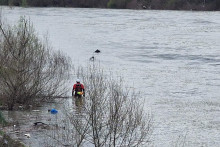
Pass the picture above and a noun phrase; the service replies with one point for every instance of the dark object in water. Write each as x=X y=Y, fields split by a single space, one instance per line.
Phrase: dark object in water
x=39 y=123
x=97 y=51
x=92 y=58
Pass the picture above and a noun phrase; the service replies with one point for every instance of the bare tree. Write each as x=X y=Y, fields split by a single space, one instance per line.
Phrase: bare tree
x=29 y=70
x=109 y=115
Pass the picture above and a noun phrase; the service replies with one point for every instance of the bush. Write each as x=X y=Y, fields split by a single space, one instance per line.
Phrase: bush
x=112 y=4
x=4 y=2
x=113 y=115
x=24 y=3
x=117 y=3
x=175 y=4
x=29 y=70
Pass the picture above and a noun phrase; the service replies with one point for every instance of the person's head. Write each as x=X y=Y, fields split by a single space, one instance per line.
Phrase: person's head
x=77 y=81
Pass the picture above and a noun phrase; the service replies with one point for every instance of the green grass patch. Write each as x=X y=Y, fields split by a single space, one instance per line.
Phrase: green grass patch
x=2 y=119
x=2 y=133
x=10 y=142
x=112 y=4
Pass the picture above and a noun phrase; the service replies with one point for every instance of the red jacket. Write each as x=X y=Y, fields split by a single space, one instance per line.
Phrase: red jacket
x=78 y=87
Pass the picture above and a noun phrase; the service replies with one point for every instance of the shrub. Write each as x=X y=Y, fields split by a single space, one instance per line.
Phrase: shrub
x=112 y=4
x=29 y=70
x=117 y=3
x=4 y=2
x=24 y=3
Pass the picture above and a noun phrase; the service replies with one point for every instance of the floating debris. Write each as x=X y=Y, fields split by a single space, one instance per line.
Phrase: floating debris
x=27 y=135
x=92 y=58
x=53 y=111
x=39 y=123
x=36 y=110
x=97 y=51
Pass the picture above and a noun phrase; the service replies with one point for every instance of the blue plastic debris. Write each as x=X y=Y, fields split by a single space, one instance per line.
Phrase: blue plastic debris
x=53 y=111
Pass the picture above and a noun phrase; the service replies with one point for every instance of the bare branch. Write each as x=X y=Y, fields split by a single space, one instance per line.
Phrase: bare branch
x=29 y=69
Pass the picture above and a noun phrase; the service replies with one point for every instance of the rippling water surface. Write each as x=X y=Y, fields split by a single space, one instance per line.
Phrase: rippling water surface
x=171 y=57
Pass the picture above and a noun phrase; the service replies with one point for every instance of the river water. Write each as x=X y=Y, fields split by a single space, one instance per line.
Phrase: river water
x=171 y=57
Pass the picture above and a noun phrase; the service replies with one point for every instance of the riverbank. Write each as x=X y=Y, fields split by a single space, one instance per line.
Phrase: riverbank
x=6 y=140
x=197 y=5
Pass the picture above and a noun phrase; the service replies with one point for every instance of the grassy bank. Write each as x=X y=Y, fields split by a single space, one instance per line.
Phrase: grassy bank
x=6 y=141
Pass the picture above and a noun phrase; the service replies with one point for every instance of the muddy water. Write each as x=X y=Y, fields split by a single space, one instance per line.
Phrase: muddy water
x=171 y=57
x=43 y=126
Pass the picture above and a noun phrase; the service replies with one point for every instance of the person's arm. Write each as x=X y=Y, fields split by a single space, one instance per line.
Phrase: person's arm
x=83 y=89
x=74 y=87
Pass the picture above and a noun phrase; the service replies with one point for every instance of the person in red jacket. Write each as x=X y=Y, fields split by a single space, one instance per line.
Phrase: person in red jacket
x=78 y=88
